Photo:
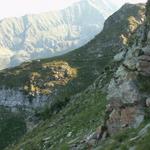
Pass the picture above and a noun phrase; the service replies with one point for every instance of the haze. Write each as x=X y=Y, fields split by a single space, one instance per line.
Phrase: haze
x=15 y=8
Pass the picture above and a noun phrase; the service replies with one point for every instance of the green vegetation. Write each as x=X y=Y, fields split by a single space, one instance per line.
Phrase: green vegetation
x=124 y=26
x=80 y=117
x=144 y=143
x=12 y=127
x=119 y=140
x=127 y=138
x=144 y=84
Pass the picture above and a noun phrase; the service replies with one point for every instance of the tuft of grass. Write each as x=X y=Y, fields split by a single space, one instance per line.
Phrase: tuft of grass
x=144 y=83
x=143 y=143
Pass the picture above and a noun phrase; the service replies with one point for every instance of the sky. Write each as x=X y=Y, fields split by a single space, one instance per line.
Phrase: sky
x=15 y=8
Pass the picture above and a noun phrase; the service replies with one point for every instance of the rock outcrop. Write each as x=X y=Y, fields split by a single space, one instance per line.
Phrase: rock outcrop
x=39 y=87
x=16 y=99
x=126 y=102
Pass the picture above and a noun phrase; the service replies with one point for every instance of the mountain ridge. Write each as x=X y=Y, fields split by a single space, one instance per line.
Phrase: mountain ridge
x=49 y=34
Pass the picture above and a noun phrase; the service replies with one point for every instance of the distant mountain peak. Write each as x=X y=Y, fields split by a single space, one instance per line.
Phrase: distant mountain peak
x=51 y=33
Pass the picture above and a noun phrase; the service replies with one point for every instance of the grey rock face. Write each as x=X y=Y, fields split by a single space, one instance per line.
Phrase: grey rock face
x=146 y=50
x=124 y=117
x=120 y=56
x=124 y=97
x=148 y=102
x=143 y=65
x=14 y=98
x=121 y=86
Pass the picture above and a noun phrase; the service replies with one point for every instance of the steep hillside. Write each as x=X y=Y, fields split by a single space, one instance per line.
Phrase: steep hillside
x=127 y=119
x=70 y=120
x=73 y=125
x=53 y=33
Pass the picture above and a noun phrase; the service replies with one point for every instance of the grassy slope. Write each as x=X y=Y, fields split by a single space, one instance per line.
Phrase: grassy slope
x=126 y=139
x=80 y=116
x=12 y=127
x=83 y=114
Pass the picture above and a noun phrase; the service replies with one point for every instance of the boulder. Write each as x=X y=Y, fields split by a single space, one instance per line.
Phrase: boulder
x=143 y=65
x=146 y=50
x=122 y=93
x=130 y=116
x=144 y=58
x=130 y=63
x=148 y=102
x=137 y=52
x=120 y=56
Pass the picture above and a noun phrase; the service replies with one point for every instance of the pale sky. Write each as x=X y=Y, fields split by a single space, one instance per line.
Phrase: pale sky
x=9 y=8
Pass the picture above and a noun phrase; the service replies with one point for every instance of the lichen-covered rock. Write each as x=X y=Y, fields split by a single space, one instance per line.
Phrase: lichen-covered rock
x=15 y=99
x=121 y=86
x=120 y=56
x=123 y=96
x=124 y=117
x=146 y=50
x=148 y=102
x=143 y=65
x=130 y=64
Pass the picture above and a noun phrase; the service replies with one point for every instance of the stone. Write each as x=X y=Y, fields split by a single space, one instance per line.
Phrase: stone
x=91 y=136
x=113 y=123
x=146 y=50
x=122 y=93
x=143 y=65
x=148 y=36
x=69 y=134
x=46 y=139
x=132 y=148
x=104 y=136
x=139 y=118
x=144 y=58
x=137 y=52
x=91 y=143
x=14 y=98
x=130 y=63
x=120 y=56
x=124 y=117
x=148 y=102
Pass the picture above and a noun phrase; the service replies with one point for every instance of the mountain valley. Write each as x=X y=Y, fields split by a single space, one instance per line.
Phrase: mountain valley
x=95 y=97
x=64 y=98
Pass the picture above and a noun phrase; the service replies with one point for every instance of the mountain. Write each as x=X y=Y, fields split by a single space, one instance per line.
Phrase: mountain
x=62 y=90
x=52 y=33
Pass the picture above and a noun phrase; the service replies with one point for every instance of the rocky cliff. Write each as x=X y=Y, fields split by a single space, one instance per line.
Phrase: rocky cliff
x=128 y=94
x=126 y=100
